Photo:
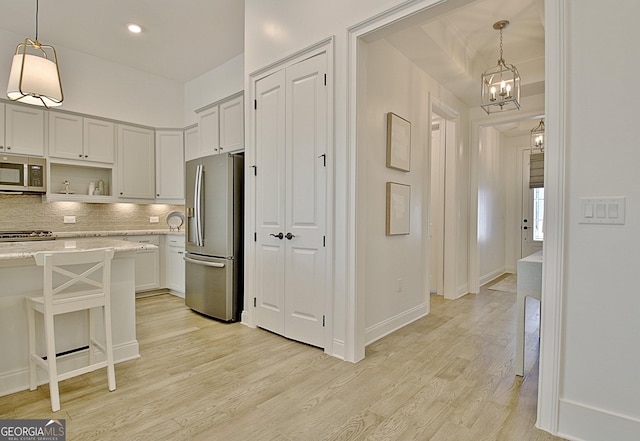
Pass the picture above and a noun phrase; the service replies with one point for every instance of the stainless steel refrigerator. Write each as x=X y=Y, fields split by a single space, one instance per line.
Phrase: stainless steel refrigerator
x=213 y=258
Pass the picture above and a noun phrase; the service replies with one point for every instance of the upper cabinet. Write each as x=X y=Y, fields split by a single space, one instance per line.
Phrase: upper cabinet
x=232 y=125
x=23 y=130
x=99 y=140
x=220 y=127
x=136 y=162
x=81 y=139
x=209 y=129
x=169 y=165
x=191 y=143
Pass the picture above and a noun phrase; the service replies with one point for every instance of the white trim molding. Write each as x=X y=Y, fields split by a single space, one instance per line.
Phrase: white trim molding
x=551 y=326
x=584 y=422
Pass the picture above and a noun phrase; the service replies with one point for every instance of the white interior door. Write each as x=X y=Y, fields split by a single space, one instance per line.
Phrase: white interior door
x=270 y=202
x=436 y=208
x=531 y=217
x=291 y=200
x=305 y=266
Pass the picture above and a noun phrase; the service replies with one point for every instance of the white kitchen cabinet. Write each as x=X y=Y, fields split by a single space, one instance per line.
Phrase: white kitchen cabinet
x=220 y=128
x=147 y=263
x=23 y=130
x=209 y=129
x=65 y=136
x=169 y=165
x=81 y=139
x=99 y=140
x=191 y=143
x=136 y=162
x=232 y=125
x=174 y=270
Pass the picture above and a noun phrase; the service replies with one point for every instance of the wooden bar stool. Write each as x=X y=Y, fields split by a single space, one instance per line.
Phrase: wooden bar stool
x=73 y=281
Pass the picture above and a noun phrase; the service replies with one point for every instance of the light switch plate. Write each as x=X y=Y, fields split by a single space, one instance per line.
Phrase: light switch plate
x=603 y=211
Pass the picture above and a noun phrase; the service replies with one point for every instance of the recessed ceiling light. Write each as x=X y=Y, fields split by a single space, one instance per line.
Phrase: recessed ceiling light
x=136 y=29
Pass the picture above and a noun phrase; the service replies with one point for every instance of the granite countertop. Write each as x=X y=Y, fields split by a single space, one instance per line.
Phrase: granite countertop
x=25 y=250
x=66 y=234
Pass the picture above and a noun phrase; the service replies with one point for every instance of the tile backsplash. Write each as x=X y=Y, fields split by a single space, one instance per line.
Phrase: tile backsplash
x=28 y=212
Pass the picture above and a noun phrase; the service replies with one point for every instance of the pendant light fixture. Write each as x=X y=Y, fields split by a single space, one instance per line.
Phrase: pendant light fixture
x=501 y=83
x=34 y=77
x=537 y=137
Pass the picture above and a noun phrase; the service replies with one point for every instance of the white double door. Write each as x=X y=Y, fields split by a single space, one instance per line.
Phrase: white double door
x=291 y=148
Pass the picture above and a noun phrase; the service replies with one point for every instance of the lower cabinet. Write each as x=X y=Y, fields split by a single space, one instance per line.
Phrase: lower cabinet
x=147 y=263
x=174 y=269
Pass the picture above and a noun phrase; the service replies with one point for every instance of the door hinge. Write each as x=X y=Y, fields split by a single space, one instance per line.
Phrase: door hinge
x=324 y=241
x=323 y=321
x=255 y=237
x=254 y=302
x=325 y=79
x=255 y=104
x=324 y=159
x=255 y=169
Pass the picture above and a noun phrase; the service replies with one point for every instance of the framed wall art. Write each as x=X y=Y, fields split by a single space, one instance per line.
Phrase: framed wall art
x=398 y=142
x=398 y=208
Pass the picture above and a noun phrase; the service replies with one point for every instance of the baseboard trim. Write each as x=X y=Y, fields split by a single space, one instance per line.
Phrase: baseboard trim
x=338 y=349
x=386 y=327
x=491 y=276
x=579 y=422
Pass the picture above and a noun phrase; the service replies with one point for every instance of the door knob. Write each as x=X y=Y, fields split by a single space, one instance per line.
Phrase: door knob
x=279 y=235
x=290 y=236
x=525 y=227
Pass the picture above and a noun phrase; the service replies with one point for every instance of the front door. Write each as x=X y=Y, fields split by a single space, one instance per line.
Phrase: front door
x=531 y=235
x=291 y=148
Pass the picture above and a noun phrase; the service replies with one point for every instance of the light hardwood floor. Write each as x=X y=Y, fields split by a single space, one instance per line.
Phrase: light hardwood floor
x=448 y=376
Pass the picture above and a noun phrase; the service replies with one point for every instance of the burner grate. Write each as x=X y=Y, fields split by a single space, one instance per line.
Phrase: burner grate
x=22 y=236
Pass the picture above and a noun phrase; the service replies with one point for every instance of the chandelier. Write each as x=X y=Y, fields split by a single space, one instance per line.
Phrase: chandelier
x=537 y=137
x=501 y=83
x=34 y=77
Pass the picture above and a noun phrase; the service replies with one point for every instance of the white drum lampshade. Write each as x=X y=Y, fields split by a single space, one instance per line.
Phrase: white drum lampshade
x=35 y=79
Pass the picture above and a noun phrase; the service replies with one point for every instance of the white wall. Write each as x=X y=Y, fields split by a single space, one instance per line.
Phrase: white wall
x=601 y=350
x=491 y=205
x=98 y=87
x=275 y=29
x=213 y=86
x=395 y=85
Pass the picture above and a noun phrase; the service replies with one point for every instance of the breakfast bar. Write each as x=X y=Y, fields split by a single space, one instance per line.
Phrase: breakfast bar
x=19 y=276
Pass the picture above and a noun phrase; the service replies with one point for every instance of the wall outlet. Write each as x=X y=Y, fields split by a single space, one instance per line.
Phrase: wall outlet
x=154 y=219
x=69 y=219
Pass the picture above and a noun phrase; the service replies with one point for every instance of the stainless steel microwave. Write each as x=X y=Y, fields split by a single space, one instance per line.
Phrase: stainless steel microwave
x=25 y=174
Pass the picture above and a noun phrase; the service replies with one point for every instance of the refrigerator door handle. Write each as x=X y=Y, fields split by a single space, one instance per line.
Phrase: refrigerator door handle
x=197 y=204
x=204 y=263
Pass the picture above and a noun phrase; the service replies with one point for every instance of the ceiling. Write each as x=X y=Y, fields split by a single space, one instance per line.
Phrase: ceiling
x=453 y=42
x=181 y=39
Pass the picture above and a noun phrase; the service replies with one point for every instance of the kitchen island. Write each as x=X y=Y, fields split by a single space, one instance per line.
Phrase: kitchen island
x=19 y=276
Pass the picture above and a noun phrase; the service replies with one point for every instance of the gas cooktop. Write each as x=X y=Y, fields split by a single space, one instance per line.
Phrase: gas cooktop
x=21 y=236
